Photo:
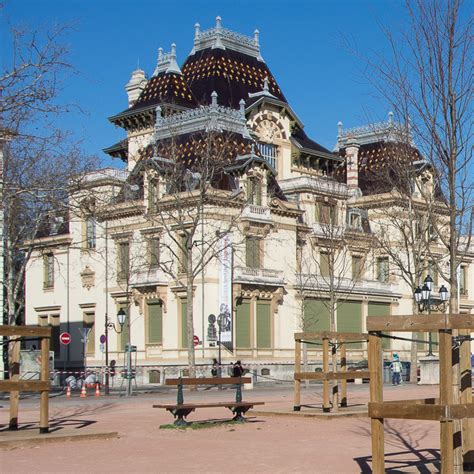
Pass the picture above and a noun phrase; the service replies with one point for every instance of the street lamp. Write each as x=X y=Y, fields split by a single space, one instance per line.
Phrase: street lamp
x=121 y=318
x=423 y=297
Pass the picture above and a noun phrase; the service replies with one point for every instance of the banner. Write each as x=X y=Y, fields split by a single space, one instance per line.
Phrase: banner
x=225 y=290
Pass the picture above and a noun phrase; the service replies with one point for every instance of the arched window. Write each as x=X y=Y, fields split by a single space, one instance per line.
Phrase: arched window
x=90 y=232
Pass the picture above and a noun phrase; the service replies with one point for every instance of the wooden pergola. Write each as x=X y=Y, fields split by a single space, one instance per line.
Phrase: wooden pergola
x=452 y=329
x=14 y=385
x=338 y=341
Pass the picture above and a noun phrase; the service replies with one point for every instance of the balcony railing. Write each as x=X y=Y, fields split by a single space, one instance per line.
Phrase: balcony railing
x=258 y=275
x=347 y=285
x=258 y=213
x=148 y=277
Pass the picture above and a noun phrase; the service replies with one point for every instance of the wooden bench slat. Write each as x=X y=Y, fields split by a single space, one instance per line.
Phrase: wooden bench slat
x=207 y=405
x=209 y=381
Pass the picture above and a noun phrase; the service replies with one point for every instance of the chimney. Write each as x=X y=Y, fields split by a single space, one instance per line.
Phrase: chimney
x=135 y=86
x=352 y=163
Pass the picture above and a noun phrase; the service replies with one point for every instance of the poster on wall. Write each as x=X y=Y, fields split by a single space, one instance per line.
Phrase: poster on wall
x=224 y=318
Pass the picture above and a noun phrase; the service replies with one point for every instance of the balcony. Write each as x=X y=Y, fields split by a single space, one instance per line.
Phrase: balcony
x=149 y=277
x=257 y=213
x=347 y=285
x=328 y=231
x=262 y=276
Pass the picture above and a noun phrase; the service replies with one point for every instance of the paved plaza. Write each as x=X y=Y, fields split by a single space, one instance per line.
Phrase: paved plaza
x=264 y=444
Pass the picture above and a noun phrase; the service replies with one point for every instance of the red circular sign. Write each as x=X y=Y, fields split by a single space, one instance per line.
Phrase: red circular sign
x=196 y=340
x=65 y=338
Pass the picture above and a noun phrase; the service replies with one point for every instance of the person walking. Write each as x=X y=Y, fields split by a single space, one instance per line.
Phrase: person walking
x=237 y=370
x=396 y=367
x=215 y=368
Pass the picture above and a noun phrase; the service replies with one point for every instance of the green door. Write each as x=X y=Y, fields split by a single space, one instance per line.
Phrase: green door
x=380 y=309
x=349 y=319
x=264 y=331
x=155 y=323
x=242 y=324
x=316 y=316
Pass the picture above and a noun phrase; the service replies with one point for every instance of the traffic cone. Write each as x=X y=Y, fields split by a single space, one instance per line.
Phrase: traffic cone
x=68 y=392
x=83 y=391
x=97 y=390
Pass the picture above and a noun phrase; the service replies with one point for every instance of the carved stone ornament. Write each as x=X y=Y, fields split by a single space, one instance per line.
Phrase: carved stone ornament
x=88 y=277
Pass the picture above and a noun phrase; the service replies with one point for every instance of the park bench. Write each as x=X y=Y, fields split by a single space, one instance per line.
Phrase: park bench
x=180 y=410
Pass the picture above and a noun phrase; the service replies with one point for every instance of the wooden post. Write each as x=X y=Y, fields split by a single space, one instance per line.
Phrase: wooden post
x=376 y=396
x=326 y=406
x=297 y=404
x=343 y=369
x=446 y=398
x=44 y=377
x=14 y=369
x=466 y=397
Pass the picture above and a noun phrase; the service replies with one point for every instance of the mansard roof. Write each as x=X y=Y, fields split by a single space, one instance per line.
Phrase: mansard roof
x=232 y=74
x=307 y=145
x=166 y=88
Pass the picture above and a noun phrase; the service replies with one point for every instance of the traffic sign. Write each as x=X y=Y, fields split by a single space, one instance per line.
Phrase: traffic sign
x=102 y=339
x=196 y=340
x=65 y=338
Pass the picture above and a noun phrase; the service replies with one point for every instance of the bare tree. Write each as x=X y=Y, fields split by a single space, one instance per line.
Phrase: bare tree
x=428 y=80
x=40 y=161
x=194 y=203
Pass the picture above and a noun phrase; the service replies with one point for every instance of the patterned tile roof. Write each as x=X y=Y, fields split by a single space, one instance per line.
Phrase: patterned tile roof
x=168 y=88
x=233 y=75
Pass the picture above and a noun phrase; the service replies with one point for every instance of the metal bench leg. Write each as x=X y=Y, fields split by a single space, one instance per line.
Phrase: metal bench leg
x=180 y=414
x=239 y=412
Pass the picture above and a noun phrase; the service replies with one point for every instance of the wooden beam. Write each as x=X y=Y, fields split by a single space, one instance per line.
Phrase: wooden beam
x=340 y=336
x=376 y=396
x=39 y=331
x=417 y=401
x=326 y=405
x=355 y=374
x=406 y=411
x=420 y=322
x=209 y=381
x=14 y=368
x=13 y=386
x=297 y=387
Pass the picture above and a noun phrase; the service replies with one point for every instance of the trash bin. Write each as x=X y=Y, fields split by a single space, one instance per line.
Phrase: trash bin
x=387 y=373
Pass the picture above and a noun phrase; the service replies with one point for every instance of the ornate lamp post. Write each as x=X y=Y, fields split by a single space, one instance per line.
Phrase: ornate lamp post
x=121 y=318
x=423 y=297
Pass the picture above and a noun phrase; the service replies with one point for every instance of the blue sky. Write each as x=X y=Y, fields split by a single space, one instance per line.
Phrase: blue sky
x=301 y=41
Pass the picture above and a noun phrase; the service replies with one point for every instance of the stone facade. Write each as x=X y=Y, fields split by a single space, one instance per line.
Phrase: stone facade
x=303 y=226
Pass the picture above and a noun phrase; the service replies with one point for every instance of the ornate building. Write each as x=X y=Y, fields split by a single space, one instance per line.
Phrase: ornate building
x=280 y=233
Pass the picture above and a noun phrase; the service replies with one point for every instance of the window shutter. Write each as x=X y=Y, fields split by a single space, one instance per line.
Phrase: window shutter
x=252 y=255
x=316 y=316
x=264 y=331
x=124 y=260
x=349 y=319
x=324 y=264
x=153 y=252
x=380 y=309
x=258 y=193
x=91 y=338
x=242 y=325
x=155 y=323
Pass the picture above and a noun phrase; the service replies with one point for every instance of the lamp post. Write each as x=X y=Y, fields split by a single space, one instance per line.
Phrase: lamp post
x=121 y=317
x=424 y=300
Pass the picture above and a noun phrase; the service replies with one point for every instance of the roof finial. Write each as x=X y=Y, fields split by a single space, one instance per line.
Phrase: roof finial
x=158 y=112
x=256 y=35
x=214 y=99
x=242 y=107
x=197 y=30
x=160 y=54
x=339 y=128
x=218 y=22
x=265 y=84
x=173 y=50
x=390 y=118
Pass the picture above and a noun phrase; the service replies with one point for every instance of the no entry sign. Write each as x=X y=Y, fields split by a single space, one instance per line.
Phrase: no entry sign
x=196 y=340
x=65 y=338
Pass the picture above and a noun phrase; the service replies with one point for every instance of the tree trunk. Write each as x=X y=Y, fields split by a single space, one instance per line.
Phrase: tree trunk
x=189 y=314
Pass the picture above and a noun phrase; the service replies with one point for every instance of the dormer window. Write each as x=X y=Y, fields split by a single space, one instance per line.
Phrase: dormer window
x=254 y=191
x=90 y=232
x=268 y=152
x=325 y=213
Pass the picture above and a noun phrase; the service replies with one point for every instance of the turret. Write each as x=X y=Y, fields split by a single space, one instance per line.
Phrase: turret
x=135 y=86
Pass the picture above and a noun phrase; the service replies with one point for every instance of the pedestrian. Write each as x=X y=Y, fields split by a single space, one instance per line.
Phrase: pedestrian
x=237 y=370
x=396 y=367
x=215 y=368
